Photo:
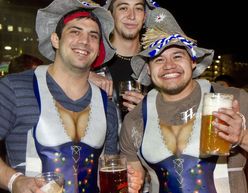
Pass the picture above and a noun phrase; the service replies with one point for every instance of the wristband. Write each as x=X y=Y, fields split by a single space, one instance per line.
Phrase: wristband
x=12 y=179
x=243 y=120
x=242 y=132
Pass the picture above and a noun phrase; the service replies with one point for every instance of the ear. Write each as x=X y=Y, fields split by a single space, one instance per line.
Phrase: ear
x=148 y=70
x=55 y=40
x=193 y=64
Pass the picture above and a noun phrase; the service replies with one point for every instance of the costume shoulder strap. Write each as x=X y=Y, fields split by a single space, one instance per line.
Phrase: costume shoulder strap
x=105 y=100
x=144 y=111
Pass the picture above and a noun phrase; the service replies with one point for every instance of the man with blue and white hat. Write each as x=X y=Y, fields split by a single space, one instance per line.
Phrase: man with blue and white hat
x=55 y=120
x=162 y=134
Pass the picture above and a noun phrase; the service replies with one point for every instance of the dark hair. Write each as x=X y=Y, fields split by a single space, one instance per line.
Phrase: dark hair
x=226 y=78
x=111 y=6
x=24 y=62
x=60 y=26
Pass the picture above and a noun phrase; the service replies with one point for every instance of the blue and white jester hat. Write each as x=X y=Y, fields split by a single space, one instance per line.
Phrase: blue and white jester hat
x=163 y=31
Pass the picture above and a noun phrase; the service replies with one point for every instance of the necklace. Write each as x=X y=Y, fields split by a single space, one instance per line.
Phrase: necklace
x=127 y=58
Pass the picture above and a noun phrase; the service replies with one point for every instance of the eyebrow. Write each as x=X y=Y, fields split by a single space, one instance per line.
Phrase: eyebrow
x=179 y=52
x=123 y=3
x=79 y=28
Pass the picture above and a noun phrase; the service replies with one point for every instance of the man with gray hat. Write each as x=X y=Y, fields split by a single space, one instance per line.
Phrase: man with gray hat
x=162 y=133
x=52 y=118
x=129 y=17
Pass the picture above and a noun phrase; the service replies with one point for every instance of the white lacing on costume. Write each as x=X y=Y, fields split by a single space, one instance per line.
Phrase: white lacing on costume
x=178 y=166
x=75 y=156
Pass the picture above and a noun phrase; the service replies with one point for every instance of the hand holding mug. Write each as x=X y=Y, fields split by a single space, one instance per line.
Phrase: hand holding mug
x=234 y=130
x=113 y=174
x=50 y=182
x=210 y=142
x=130 y=94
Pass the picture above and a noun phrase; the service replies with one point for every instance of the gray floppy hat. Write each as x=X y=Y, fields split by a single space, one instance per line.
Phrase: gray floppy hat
x=150 y=4
x=163 y=31
x=48 y=18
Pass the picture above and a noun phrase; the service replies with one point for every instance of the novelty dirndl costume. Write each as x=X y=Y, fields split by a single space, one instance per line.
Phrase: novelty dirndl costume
x=77 y=160
x=170 y=173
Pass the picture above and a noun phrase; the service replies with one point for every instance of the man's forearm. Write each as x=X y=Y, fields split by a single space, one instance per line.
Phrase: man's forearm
x=5 y=174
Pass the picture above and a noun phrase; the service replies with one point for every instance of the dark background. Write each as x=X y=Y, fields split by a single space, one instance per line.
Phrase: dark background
x=219 y=25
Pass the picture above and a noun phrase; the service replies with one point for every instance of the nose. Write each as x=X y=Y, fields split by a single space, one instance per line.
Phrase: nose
x=131 y=14
x=83 y=38
x=169 y=64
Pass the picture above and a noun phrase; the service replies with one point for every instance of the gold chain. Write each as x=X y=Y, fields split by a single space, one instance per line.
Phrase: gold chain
x=127 y=58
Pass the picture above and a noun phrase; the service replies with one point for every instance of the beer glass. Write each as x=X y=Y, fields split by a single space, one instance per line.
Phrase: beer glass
x=210 y=142
x=129 y=85
x=113 y=174
x=50 y=182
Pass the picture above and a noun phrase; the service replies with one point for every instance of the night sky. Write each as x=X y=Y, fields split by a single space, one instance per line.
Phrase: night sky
x=219 y=25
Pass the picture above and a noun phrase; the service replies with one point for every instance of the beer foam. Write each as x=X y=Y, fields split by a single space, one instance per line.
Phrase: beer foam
x=52 y=187
x=212 y=102
x=111 y=169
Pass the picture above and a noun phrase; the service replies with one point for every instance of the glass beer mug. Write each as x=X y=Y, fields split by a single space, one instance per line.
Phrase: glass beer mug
x=210 y=142
x=113 y=174
x=50 y=182
x=129 y=85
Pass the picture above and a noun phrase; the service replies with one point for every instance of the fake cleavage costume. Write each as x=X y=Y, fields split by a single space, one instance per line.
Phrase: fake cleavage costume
x=170 y=173
x=76 y=159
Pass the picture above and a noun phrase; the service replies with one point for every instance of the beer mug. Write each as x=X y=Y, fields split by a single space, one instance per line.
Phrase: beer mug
x=50 y=182
x=210 y=142
x=113 y=174
x=129 y=85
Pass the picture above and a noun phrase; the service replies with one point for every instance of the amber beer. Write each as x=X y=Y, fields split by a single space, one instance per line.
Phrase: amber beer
x=113 y=181
x=210 y=142
x=113 y=174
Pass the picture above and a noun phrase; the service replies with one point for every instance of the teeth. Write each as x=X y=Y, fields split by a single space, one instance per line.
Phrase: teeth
x=173 y=75
x=81 y=52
